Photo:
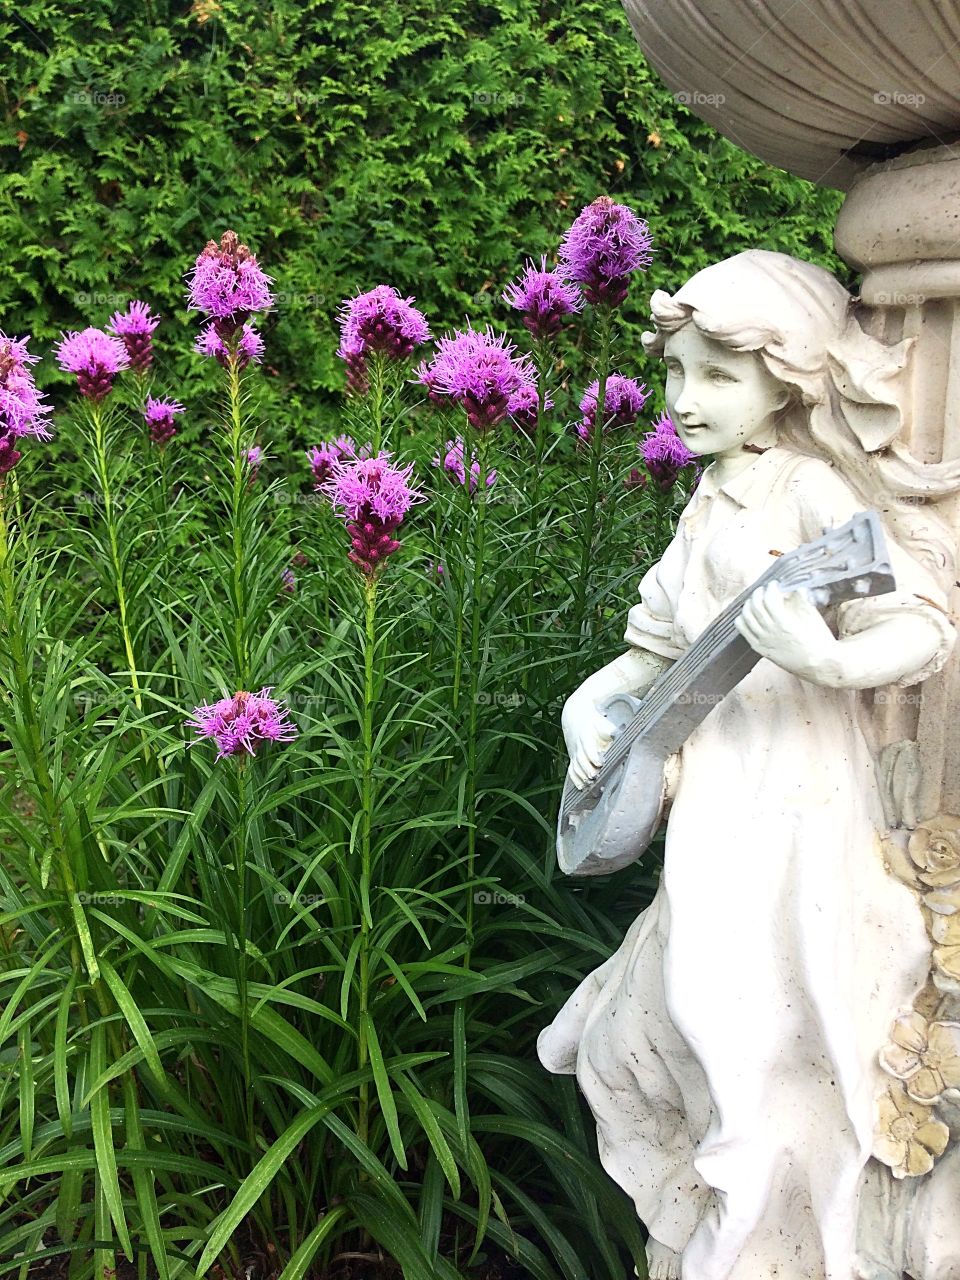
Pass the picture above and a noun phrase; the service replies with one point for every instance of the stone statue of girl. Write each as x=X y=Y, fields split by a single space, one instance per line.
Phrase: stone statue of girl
x=729 y=1048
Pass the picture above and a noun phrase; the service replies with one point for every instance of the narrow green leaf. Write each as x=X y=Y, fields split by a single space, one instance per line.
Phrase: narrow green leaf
x=107 y=1179
x=387 y=1104
x=296 y=1268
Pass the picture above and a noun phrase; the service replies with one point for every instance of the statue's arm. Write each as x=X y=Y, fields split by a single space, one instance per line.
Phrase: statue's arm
x=906 y=645
x=885 y=653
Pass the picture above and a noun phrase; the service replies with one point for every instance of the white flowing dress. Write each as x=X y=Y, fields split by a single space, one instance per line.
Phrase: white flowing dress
x=728 y=1049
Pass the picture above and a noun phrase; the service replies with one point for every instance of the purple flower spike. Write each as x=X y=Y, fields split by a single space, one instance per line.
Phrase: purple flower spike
x=241 y=723
x=288 y=582
x=22 y=407
x=373 y=496
x=255 y=457
x=426 y=377
x=159 y=416
x=95 y=358
x=603 y=247
x=227 y=284
x=250 y=346
x=134 y=327
x=543 y=298
x=523 y=407
x=664 y=453
x=481 y=372
x=351 y=352
x=453 y=465
x=623 y=400
x=379 y=321
x=323 y=456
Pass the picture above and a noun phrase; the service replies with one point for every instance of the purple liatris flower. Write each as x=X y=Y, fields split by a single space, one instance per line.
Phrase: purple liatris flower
x=300 y=561
x=664 y=453
x=227 y=284
x=481 y=372
x=254 y=462
x=352 y=354
x=605 y=245
x=623 y=400
x=250 y=346
x=453 y=465
x=426 y=377
x=523 y=408
x=380 y=321
x=372 y=495
x=323 y=456
x=159 y=416
x=543 y=298
x=134 y=327
x=241 y=723
x=22 y=407
x=288 y=582
x=96 y=359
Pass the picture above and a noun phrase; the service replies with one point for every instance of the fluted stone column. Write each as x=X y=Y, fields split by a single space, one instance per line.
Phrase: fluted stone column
x=900 y=227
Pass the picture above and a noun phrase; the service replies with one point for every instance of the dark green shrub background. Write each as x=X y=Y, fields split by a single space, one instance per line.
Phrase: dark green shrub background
x=431 y=146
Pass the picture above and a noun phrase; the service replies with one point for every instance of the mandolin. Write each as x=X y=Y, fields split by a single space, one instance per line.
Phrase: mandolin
x=612 y=820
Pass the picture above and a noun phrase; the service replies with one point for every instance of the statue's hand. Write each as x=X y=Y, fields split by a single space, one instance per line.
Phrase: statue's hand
x=587 y=733
x=790 y=631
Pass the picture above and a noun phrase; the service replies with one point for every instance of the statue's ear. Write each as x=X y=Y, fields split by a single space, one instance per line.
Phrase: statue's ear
x=869 y=377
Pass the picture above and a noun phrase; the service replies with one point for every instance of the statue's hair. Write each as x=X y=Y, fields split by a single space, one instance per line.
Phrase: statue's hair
x=839 y=397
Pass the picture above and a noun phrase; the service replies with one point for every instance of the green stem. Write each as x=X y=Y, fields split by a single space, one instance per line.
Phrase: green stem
x=240 y=867
x=241 y=656
x=110 y=521
x=464 y=508
x=476 y=613
x=543 y=362
x=367 y=803
x=591 y=519
x=376 y=398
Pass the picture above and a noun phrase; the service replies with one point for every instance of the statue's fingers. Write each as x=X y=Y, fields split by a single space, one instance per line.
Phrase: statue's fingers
x=769 y=603
x=753 y=635
x=755 y=610
x=777 y=612
x=748 y=613
x=585 y=766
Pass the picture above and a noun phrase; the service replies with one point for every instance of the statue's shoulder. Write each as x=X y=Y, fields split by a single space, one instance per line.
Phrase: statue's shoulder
x=814 y=477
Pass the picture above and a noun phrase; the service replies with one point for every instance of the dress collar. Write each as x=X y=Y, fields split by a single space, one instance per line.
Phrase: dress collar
x=751 y=486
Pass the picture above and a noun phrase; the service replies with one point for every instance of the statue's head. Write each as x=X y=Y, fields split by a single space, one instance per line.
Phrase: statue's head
x=793 y=322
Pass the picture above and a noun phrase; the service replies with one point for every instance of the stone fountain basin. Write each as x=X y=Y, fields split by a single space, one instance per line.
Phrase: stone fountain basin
x=822 y=88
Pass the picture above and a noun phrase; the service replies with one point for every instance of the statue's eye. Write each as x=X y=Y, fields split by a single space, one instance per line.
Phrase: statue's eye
x=673 y=367
x=721 y=375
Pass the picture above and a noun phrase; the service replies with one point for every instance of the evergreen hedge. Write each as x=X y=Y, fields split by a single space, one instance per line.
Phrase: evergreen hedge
x=433 y=147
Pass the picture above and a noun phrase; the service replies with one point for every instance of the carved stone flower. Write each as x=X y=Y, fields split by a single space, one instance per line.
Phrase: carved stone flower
x=935 y=849
x=945 y=931
x=924 y=1055
x=909 y=1137
x=943 y=902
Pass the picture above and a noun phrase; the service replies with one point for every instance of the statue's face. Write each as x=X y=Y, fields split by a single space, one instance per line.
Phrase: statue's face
x=718 y=399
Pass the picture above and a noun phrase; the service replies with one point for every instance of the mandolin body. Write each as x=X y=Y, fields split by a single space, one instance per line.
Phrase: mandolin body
x=620 y=826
